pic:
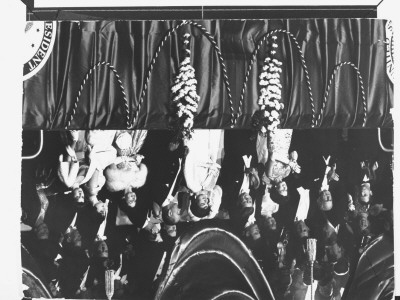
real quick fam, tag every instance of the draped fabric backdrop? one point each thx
(131, 47)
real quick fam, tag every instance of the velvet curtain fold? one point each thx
(132, 48)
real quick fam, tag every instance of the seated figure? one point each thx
(128, 170)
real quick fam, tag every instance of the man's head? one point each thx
(170, 230)
(101, 249)
(42, 231)
(365, 193)
(171, 213)
(325, 200)
(130, 198)
(152, 232)
(252, 232)
(269, 223)
(245, 200)
(78, 195)
(334, 252)
(302, 229)
(73, 238)
(101, 209)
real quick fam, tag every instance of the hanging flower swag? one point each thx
(267, 119)
(184, 97)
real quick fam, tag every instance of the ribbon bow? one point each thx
(246, 178)
(325, 185)
(247, 161)
(365, 179)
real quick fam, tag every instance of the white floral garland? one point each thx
(270, 92)
(184, 91)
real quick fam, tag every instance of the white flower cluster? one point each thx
(184, 91)
(270, 93)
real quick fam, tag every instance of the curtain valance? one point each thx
(118, 74)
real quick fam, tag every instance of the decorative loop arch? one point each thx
(361, 84)
(158, 50)
(88, 74)
(303, 64)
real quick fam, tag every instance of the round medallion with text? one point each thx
(389, 51)
(39, 42)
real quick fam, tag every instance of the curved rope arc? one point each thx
(198, 253)
(303, 64)
(361, 83)
(88, 74)
(210, 38)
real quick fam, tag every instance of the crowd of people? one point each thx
(117, 200)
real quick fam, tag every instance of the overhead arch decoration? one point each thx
(216, 49)
(143, 56)
(293, 39)
(328, 88)
(85, 80)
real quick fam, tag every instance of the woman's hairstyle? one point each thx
(198, 211)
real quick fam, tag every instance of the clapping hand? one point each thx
(332, 175)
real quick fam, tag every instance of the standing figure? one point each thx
(201, 170)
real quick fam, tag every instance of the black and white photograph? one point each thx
(296, 214)
(208, 159)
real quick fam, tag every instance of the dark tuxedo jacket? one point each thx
(236, 144)
(60, 213)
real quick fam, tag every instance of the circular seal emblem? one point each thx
(389, 50)
(39, 41)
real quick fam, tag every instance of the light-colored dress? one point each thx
(202, 167)
(203, 162)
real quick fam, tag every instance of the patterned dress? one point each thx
(274, 151)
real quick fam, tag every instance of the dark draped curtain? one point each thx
(131, 47)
